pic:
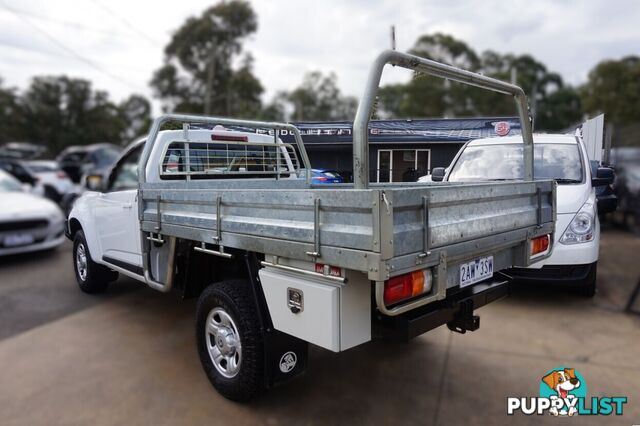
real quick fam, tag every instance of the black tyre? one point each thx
(91, 277)
(588, 286)
(229, 340)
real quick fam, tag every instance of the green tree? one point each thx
(318, 98)
(135, 117)
(62, 111)
(198, 74)
(613, 88)
(426, 96)
(10, 111)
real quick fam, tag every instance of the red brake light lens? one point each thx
(406, 286)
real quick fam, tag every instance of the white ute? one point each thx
(224, 211)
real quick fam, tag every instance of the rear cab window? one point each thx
(219, 160)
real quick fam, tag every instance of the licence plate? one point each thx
(13, 240)
(476, 270)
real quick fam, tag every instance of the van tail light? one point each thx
(406, 286)
(540, 244)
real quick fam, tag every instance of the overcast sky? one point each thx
(118, 43)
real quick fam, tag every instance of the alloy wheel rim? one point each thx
(81, 261)
(223, 342)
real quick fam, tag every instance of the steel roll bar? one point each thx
(427, 66)
(146, 153)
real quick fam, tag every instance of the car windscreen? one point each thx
(505, 162)
(9, 185)
(106, 156)
(74, 157)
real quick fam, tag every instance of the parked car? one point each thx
(322, 176)
(27, 222)
(22, 150)
(626, 162)
(574, 256)
(55, 181)
(77, 160)
(20, 171)
(628, 191)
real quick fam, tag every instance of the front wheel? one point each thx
(229, 340)
(91, 277)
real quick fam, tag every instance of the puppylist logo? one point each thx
(563, 392)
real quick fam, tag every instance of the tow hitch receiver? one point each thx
(456, 311)
(464, 320)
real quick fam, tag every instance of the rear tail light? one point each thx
(320, 178)
(540, 244)
(406, 286)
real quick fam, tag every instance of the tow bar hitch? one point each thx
(464, 319)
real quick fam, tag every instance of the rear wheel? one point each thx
(91, 277)
(230, 343)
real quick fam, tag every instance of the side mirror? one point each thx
(437, 174)
(604, 176)
(94, 183)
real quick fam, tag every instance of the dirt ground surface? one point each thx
(129, 357)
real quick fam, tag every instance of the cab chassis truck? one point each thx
(277, 262)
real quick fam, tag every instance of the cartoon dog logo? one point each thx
(562, 382)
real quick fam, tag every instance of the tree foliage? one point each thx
(10, 113)
(200, 59)
(59, 111)
(613, 87)
(426, 96)
(317, 98)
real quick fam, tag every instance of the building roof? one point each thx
(446, 130)
(537, 138)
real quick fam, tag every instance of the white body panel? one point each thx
(20, 206)
(117, 226)
(61, 185)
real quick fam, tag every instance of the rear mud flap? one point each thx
(285, 357)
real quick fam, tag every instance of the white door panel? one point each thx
(116, 221)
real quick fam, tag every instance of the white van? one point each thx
(574, 257)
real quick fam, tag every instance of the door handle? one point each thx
(127, 206)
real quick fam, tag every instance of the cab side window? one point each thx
(125, 175)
